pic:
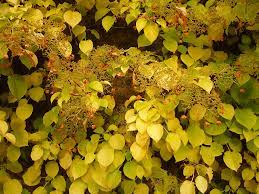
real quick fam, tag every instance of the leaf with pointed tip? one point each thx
(107, 22)
(86, 46)
(72, 18)
(155, 131)
(151, 31)
(233, 160)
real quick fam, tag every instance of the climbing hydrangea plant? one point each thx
(174, 112)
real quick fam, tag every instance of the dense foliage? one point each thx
(176, 113)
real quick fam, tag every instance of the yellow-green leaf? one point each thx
(105, 156)
(174, 140)
(187, 187)
(96, 85)
(140, 24)
(12, 186)
(52, 168)
(24, 111)
(232, 159)
(86, 46)
(13, 153)
(36, 153)
(170, 44)
(201, 184)
(3, 127)
(137, 151)
(117, 141)
(205, 83)
(17, 85)
(72, 18)
(226, 111)
(107, 22)
(187, 60)
(36, 93)
(197, 112)
(195, 52)
(151, 31)
(155, 131)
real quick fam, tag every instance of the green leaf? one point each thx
(17, 86)
(29, 59)
(143, 41)
(187, 60)
(174, 140)
(24, 111)
(86, 46)
(245, 117)
(196, 135)
(36, 153)
(107, 22)
(12, 186)
(105, 156)
(201, 184)
(233, 160)
(59, 183)
(227, 111)
(3, 127)
(205, 83)
(187, 187)
(140, 24)
(117, 141)
(77, 187)
(197, 112)
(52, 168)
(170, 44)
(13, 153)
(151, 31)
(96, 85)
(155, 131)
(72, 18)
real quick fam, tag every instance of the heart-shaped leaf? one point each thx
(72, 18)
(195, 52)
(107, 22)
(86, 46)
